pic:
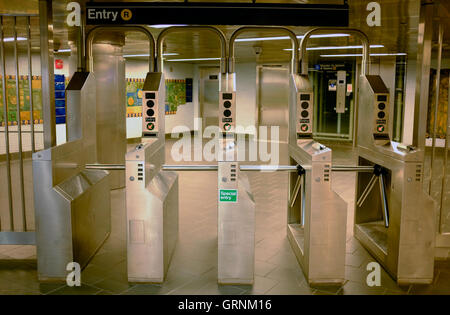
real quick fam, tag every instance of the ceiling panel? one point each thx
(398, 32)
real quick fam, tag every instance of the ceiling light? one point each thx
(11, 39)
(287, 37)
(337, 47)
(62, 51)
(147, 55)
(166, 25)
(360, 55)
(193, 59)
(327, 35)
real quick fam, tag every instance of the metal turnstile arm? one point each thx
(367, 191)
(384, 203)
(298, 184)
(378, 174)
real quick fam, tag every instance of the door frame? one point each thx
(201, 71)
(259, 68)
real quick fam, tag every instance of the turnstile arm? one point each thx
(378, 174)
(301, 172)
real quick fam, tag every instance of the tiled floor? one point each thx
(194, 266)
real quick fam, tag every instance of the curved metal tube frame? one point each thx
(91, 35)
(167, 31)
(291, 34)
(362, 36)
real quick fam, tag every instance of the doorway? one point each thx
(273, 98)
(331, 120)
(209, 96)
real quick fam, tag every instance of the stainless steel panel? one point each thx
(17, 238)
(152, 213)
(273, 98)
(81, 114)
(90, 216)
(109, 71)
(317, 220)
(47, 72)
(236, 227)
(71, 210)
(408, 244)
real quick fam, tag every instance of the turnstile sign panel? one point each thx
(379, 95)
(341, 90)
(304, 115)
(150, 109)
(228, 195)
(227, 112)
(381, 116)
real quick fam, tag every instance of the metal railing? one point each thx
(245, 168)
(15, 207)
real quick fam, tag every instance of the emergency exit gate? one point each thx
(16, 218)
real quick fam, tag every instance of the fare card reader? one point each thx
(153, 104)
(304, 105)
(227, 112)
(380, 105)
(151, 194)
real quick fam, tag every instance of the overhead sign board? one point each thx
(132, 13)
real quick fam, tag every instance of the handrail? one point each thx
(247, 168)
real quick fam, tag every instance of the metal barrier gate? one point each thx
(438, 176)
(16, 216)
(394, 220)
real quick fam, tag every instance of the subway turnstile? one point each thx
(317, 216)
(152, 214)
(236, 207)
(151, 194)
(394, 218)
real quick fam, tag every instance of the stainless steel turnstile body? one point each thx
(236, 224)
(151, 194)
(404, 242)
(317, 216)
(152, 213)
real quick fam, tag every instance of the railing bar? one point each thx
(19, 128)
(5, 115)
(436, 104)
(268, 167)
(23, 131)
(30, 85)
